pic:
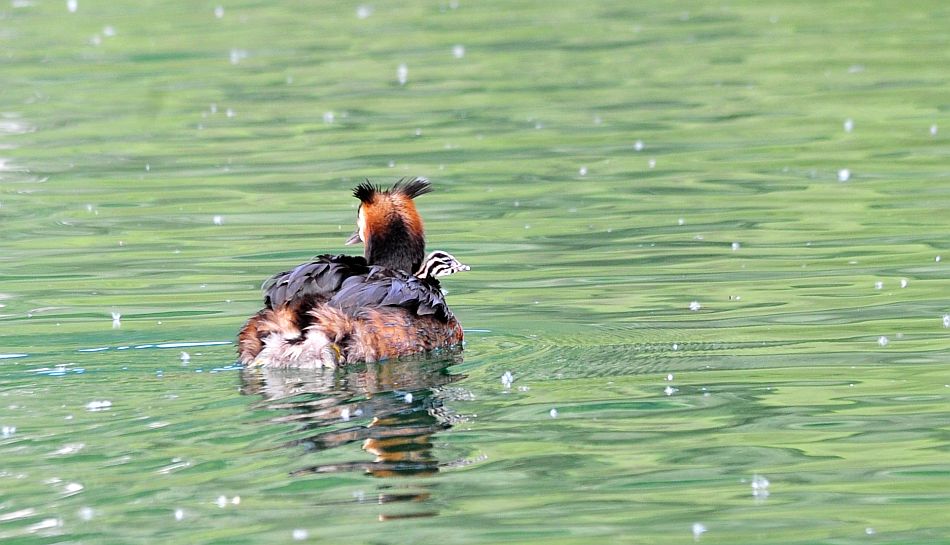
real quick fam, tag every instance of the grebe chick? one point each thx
(343, 309)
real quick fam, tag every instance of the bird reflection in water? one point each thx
(393, 408)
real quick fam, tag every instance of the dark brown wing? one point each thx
(319, 279)
(388, 288)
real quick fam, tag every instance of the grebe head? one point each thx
(389, 225)
(440, 263)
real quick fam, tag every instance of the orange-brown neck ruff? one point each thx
(393, 231)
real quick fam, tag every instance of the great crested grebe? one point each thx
(343, 309)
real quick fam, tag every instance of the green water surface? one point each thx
(709, 242)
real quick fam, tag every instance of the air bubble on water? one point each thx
(651, 163)
(72, 488)
(933, 130)
(760, 486)
(638, 145)
(669, 377)
(408, 397)
(217, 220)
(937, 259)
(236, 500)
(237, 55)
(402, 74)
(392, 164)
(213, 108)
(364, 11)
(507, 379)
(553, 413)
(179, 514)
(72, 5)
(598, 120)
(698, 530)
(669, 390)
(946, 320)
(185, 357)
(879, 285)
(844, 175)
(882, 340)
(86, 513)
(221, 502)
(328, 117)
(230, 112)
(582, 171)
(7, 431)
(848, 125)
(870, 531)
(736, 246)
(418, 132)
(98, 405)
(458, 51)
(108, 31)
(219, 12)
(345, 414)
(903, 282)
(299, 534)
(116, 317)
(695, 305)
(681, 221)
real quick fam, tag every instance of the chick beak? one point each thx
(354, 238)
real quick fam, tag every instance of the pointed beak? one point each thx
(354, 238)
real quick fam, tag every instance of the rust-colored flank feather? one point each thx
(341, 309)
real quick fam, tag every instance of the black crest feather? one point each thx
(412, 187)
(366, 191)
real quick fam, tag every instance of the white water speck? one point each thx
(86, 513)
(638, 145)
(221, 502)
(392, 164)
(651, 163)
(219, 12)
(903, 282)
(870, 531)
(675, 347)
(933, 130)
(108, 31)
(695, 305)
(458, 51)
(882, 340)
(185, 357)
(760, 486)
(669, 377)
(553, 413)
(299, 534)
(73, 488)
(230, 112)
(698, 530)
(98, 405)
(364, 11)
(213, 108)
(582, 171)
(681, 221)
(736, 246)
(402, 74)
(328, 117)
(69, 448)
(598, 120)
(218, 220)
(844, 175)
(848, 125)
(7, 431)
(237, 55)
(345, 414)
(179, 514)
(669, 390)
(236, 500)
(72, 5)
(507, 379)
(44, 524)
(408, 397)
(937, 259)
(879, 285)
(946, 320)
